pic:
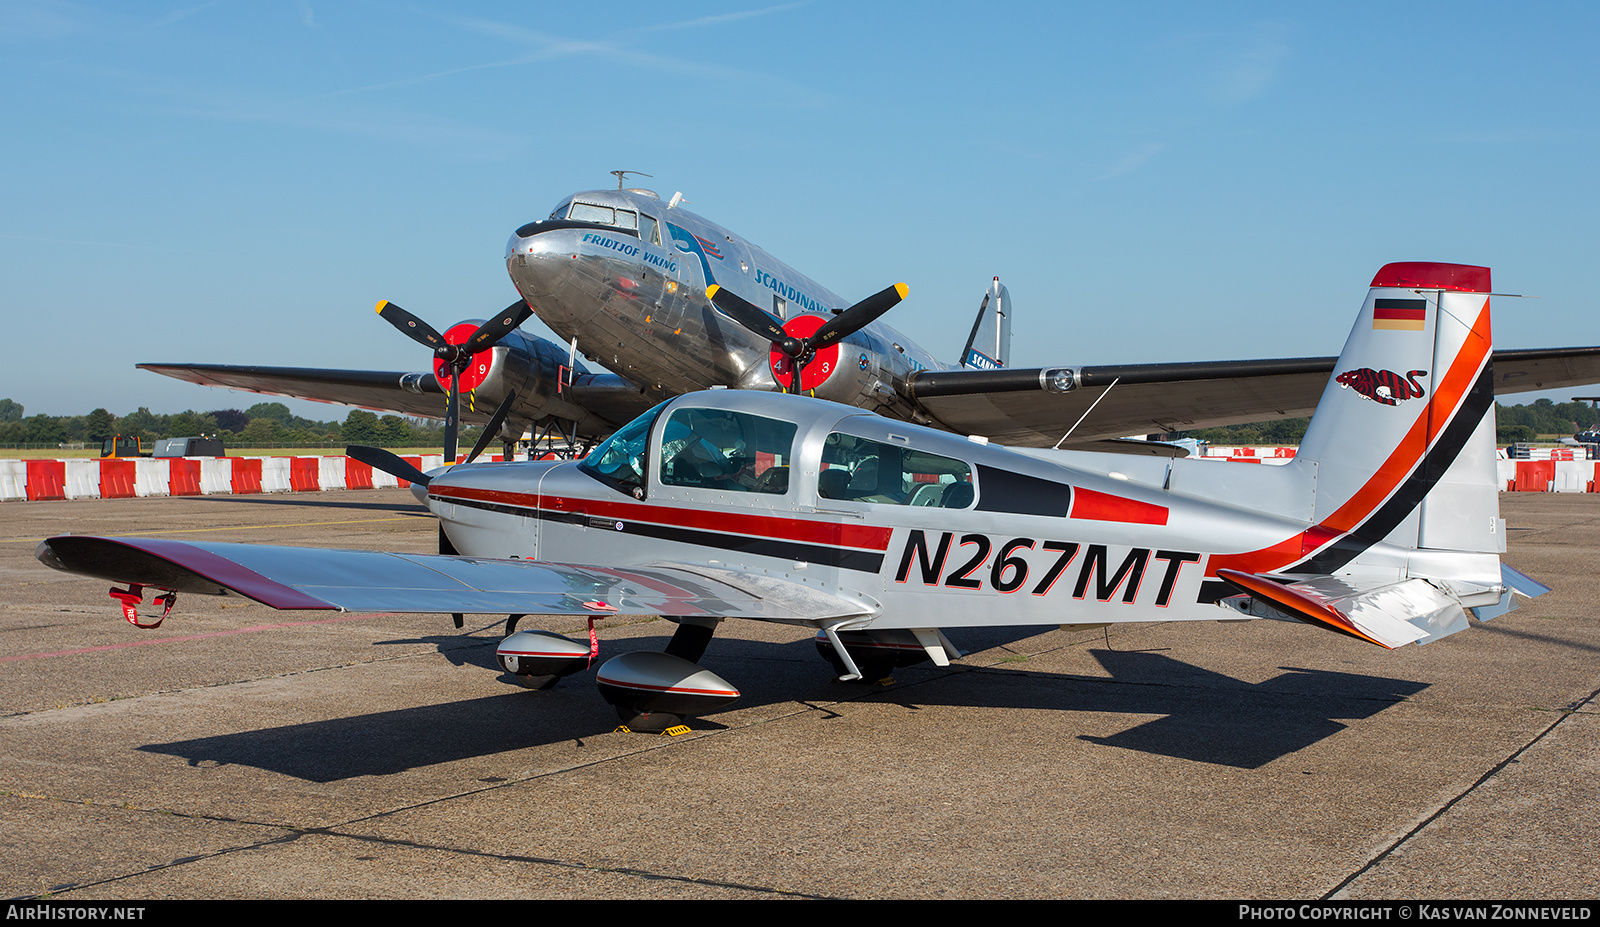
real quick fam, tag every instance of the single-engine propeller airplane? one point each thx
(671, 303)
(880, 534)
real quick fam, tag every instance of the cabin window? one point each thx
(863, 470)
(648, 229)
(619, 461)
(727, 451)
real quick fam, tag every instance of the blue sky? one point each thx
(239, 182)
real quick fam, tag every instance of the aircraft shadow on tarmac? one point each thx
(1204, 716)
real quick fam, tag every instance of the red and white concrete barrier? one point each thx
(1248, 454)
(88, 478)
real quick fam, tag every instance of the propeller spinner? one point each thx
(457, 357)
(796, 346)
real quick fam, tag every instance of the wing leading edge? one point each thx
(362, 581)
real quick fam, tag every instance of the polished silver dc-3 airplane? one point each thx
(880, 534)
(670, 303)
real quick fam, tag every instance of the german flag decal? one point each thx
(1407, 315)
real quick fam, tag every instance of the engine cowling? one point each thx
(531, 367)
(859, 370)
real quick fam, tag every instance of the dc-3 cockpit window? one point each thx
(726, 451)
(862, 470)
(619, 461)
(605, 215)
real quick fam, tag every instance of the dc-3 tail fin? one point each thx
(1405, 527)
(989, 345)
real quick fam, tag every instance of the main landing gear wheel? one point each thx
(655, 692)
(538, 659)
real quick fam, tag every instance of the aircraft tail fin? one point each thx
(989, 345)
(1403, 437)
(1399, 458)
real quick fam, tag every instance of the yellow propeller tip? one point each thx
(711, 291)
(381, 304)
(902, 289)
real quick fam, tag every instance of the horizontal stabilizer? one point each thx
(369, 581)
(1389, 614)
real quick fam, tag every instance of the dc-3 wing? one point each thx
(1034, 407)
(369, 581)
(599, 403)
(1023, 407)
(395, 391)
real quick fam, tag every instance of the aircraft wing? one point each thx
(371, 581)
(1018, 407)
(603, 401)
(398, 391)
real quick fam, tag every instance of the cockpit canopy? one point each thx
(732, 450)
(590, 207)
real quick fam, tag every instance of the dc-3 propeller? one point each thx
(458, 357)
(800, 350)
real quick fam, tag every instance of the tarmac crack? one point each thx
(1575, 708)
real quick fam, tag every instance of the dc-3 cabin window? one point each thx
(726, 451)
(648, 230)
(863, 470)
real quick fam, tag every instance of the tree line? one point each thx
(265, 424)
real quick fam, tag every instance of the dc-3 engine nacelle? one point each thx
(531, 367)
(861, 370)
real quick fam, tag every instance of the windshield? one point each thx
(619, 461)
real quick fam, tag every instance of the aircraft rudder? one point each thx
(989, 345)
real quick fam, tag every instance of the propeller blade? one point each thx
(452, 417)
(749, 315)
(858, 316)
(410, 326)
(496, 328)
(389, 462)
(493, 428)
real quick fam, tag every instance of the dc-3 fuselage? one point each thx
(655, 325)
(879, 533)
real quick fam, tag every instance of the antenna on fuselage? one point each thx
(622, 175)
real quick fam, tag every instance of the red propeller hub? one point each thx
(822, 365)
(476, 372)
